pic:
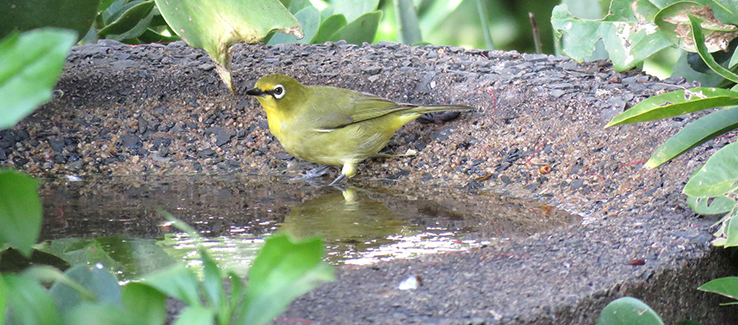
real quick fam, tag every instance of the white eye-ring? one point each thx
(278, 91)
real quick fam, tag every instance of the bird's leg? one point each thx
(336, 182)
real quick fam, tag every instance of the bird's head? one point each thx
(278, 92)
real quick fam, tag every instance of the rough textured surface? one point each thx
(160, 109)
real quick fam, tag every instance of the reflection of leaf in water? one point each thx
(129, 258)
(348, 216)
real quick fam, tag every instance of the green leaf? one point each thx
(50, 274)
(281, 272)
(437, 13)
(676, 103)
(725, 10)
(483, 14)
(731, 232)
(131, 23)
(712, 206)
(294, 6)
(3, 299)
(309, 18)
(353, 9)
(217, 24)
(24, 15)
(177, 282)
(628, 311)
(683, 68)
(727, 286)
(699, 39)
(99, 282)
(408, 29)
(32, 62)
(360, 30)
(145, 304)
(213, 280)
(629, 36)
(694, 134)
(329, 27)
(237, 293)
(150, 36)
(716, 177)
(195, 316)
(30, 303)
(20, 210)
(88, 313)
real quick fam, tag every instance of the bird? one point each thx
(333, 126)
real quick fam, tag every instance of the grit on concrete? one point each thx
(161, 110)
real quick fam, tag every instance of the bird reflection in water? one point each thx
(349, 221)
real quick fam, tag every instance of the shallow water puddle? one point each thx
(113, 220)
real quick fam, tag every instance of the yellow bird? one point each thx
(333, 126)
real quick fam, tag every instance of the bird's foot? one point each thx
(312, 174)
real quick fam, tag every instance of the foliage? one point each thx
(216, 25)
(283, 270)
(77, 15)
(713, 187)
(31, 63)
(636, 30)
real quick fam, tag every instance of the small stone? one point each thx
(131, 141)
(372, 70)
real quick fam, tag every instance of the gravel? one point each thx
(162, 110)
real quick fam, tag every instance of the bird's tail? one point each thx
(440, 108)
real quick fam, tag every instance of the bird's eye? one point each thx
(278, 91)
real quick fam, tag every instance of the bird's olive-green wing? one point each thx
(342, 107)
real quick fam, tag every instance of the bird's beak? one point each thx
(256, 92)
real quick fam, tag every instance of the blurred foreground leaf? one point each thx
(215, 25)
(31, 63)
(281, 272)
(628, 311)
(29, 303)
(20, 210)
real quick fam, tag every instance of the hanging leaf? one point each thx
(215, 25)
